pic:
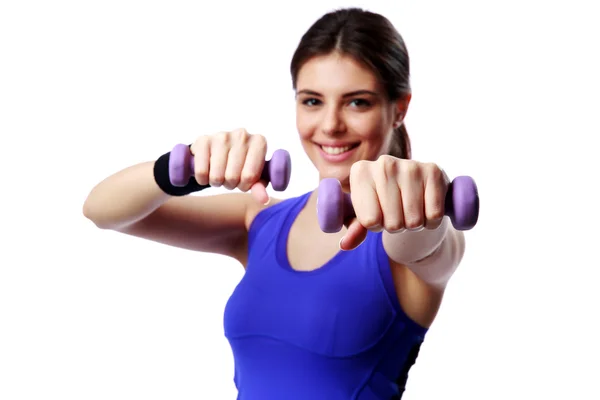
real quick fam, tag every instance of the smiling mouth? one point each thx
(338, 149)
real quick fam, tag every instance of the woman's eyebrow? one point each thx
(349, 94)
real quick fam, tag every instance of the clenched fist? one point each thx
(233, 160)
(394, 194)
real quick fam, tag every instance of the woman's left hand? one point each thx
(394, 195)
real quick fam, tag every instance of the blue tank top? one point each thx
(334, 333)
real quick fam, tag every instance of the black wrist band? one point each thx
(161, 176)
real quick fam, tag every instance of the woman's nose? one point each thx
(332, 122)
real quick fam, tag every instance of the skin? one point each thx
(327, 111)
(422, 260)
(340, 101)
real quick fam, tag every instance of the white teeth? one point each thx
(335, 150)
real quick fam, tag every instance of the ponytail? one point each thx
(400, 144)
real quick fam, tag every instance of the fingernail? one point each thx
(340, 244)
(268, 201)
(362, 241)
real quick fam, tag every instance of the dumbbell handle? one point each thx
(276, 171)
(334, 206)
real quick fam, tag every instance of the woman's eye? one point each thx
(360, 103)
(311, 102)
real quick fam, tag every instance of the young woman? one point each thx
(317, 315)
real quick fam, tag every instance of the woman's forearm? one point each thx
(124, 197)
(433, 255)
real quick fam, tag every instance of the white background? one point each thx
(506, 92)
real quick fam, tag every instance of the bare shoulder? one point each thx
(254, 208)
(419, 298)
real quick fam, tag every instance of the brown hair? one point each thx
(371, 39)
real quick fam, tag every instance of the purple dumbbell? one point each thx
(334, 206)
(277, 170)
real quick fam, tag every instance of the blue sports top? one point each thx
(334, 333)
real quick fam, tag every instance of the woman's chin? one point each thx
(340, 173)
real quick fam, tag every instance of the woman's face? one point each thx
(342, 114)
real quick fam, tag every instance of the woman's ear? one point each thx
(401, 109)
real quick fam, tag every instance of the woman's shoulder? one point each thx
(255, 208)
(275, 203)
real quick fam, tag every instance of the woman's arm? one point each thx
(433, 255)
(131, 202)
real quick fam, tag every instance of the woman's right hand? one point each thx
(233, 160)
